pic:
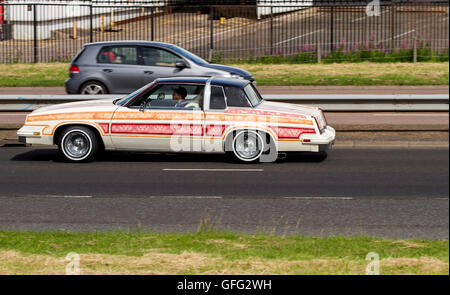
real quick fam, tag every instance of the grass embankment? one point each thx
(215, 253)
(54, 74)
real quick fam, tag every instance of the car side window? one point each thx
(217, 98)
(118, 55)
(173, 96)
(158, 57)
(236, 97)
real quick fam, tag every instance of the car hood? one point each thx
(232, 70)
(82, 106)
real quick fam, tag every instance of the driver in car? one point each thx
(179, 94)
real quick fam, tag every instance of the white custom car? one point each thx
(187, 114)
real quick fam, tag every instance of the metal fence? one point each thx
(45, 31)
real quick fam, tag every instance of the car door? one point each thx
(158, 63)
(119, 66)
(154, 122)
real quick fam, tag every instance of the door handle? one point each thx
(107, 70)
(148, 72)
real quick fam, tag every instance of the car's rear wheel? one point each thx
(78, 144)
(247, 146)
(93, 88)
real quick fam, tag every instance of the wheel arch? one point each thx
(59, 130)
(228, 137)
(97, 80)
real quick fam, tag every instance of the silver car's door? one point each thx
(119, 66)
(158, 63)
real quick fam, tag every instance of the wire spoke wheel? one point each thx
(76, 144)
(248, 146)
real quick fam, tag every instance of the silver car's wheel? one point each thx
(248, 146)
(93, 88)
(78, 144)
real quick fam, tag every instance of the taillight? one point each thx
(74, 69)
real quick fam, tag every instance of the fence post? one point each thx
(91, 27)
(319, 54)
(393, 11)
(271, 30)
(332, 27)
(152, 34)
(211, 41)
(74, 29)
(415, 49)
(35, 45)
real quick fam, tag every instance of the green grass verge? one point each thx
(54, 74)
(214, 252)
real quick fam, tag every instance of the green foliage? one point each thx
(368, 51)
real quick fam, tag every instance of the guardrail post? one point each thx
(35, 45)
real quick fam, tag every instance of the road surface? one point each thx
(388, 193)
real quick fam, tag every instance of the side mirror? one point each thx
(143, 106)
(181, 64)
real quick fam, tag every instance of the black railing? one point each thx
(303, 31)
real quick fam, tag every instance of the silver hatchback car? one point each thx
(124, 66)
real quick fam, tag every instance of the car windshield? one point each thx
(252, 95)
(123, 101)
(189, 55)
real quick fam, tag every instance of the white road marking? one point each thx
(213, 170)
(298, 37)
(194, 197)
(57, 196)
(414, 115)
(320, 198)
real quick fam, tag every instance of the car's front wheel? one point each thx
(78, 144)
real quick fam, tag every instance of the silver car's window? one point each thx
(118, 55)
(189, 55)
(159, 57)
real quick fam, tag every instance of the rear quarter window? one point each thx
(118, 55)
(217, 100)
(77, 57)
(236, 97)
